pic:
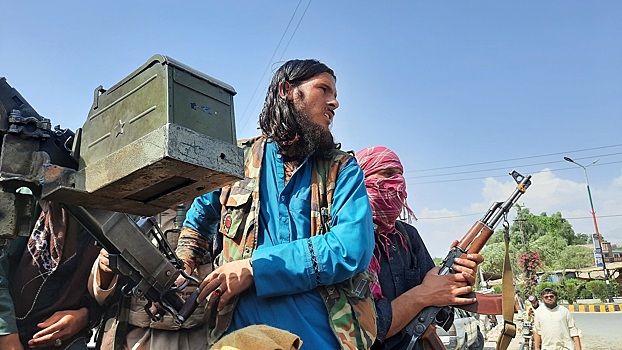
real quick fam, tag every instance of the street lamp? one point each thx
(598, 237)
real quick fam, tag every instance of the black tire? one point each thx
(479, 342)
(465, 344)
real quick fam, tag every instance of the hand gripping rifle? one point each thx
(423, 325)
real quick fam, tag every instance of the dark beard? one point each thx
(314, 138)
(551, 305)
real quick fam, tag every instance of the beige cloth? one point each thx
(157, 339)
(259, 337)
(556, 327)
(150, 335)
(137, 315)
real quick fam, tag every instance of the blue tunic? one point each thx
(284, 295)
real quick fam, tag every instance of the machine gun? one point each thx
(163, 135)
(472, 242)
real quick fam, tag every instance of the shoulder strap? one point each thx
(323, 182)
(509, 328)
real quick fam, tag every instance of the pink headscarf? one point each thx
(387, 197)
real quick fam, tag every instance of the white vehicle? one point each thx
(464, 332)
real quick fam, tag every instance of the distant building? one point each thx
(610, 255)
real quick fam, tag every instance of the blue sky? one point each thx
(464, 92)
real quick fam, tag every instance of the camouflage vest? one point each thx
(351, 310)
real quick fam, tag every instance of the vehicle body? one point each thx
(464, 332)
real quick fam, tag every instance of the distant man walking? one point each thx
(554, 326)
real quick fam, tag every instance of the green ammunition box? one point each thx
(160, 91)
(163, 135)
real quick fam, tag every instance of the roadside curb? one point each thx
(594, 308)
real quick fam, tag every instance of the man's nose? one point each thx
(334, 104)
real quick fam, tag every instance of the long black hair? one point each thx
(277, 119)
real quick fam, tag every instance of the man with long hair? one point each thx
(296, 232)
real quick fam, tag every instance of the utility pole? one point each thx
(598, 237)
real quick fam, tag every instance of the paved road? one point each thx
(600, 324)
(601, 331)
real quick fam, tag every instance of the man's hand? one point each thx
(10, 342)
(105, 275)
(443, 290)
(468, 266)
(435, 290)
(226, 282)
(61, 325)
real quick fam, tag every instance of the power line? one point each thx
(295, 30)
(512, 159)
(503, 168)
(481, 213)
(591, 218)
(270, 62)
(500, 176)
(448, 217)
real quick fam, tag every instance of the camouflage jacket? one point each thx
(351, 310)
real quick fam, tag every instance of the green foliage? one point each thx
(498, 289)
(575, 257)
(543, 285)
(598, 289)
(551, 248)
(493, 257)
(615, 287)
(583, 238)
(552, 237)
(584, 293)
(571, 290)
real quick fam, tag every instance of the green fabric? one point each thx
(351, 309)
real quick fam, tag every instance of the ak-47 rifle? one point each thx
(422, 326)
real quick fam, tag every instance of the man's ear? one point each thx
(285, 90)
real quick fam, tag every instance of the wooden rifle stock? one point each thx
(486, 304)
(472, 243)
(430, 339)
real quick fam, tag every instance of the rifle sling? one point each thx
(509, 328)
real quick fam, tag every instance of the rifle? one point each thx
(472, 242)
(135, 154)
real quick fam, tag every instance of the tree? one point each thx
(551, 249)
(598, 289)
(571, 289)
(494, 255)
(576, 257)
(552, 237)
(524, 229)
(583, 238)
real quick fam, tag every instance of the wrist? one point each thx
(417, 298)
(10, 341)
